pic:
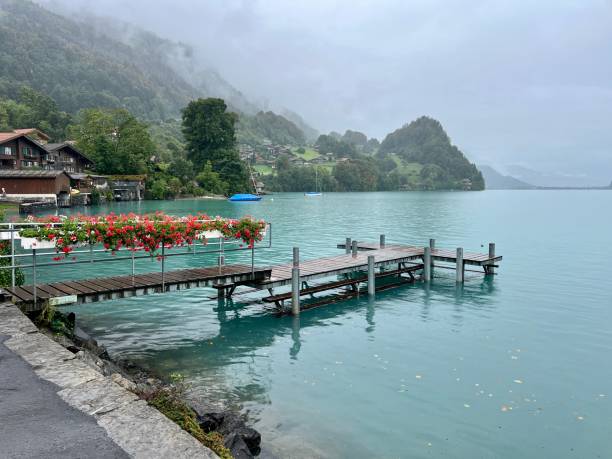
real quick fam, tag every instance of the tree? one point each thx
(115, 141)
(210, 181)
(210, 137)
(208, 129)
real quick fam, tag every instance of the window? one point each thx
(8, 151)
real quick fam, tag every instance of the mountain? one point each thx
(310, 133)
(268, 126)
(551, 179)
(102, 63)
(496, 181)
(426, 158)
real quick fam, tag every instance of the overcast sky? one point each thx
(513, 82)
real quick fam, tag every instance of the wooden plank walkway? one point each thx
(337, 264)
(445, 255)
(107, 288)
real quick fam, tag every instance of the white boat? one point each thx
(312, 194)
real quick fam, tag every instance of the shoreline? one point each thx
(219, 432)
(227, 426)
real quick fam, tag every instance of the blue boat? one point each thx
(245, 197)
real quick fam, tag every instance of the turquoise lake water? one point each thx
(518, 365)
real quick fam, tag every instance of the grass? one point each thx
(4, 206)
(308, 155)
(168, 401)
(410, 168)
(263, 169)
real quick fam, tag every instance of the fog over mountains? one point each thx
(525, 83)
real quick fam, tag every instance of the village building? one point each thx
(20, 152)
(127, 187)
(65, 157)
(27, 149)
(35, 185)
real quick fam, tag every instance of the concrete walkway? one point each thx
(53, 405)
(36, 422)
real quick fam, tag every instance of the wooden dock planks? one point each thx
(337, 264)
(97, 289)
(445, 255)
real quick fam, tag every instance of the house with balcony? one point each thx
(27, 149)
(65, 157)
(18, 151)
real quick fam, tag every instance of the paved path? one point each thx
(36, 423)
(54, 405)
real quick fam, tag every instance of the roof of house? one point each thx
(6, 136)
(57, 146)
(28, 131)
(11, 173)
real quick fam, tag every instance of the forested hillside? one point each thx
(79, 65)
(437, 164)
(254, 130)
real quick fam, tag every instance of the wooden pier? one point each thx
(375, 264)
(336, 265)
(109, 288)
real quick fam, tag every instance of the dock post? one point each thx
(371, 276)
(382, 241)
(432, 246)
(426, 264)
(347, 245)
(354, 249)
(460, 267)
(295, 283)
(491, 255)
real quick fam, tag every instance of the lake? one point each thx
(512, 366)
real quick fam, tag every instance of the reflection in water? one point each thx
(295, 337)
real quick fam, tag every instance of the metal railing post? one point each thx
(133, 265)
(163, 267)
(221, 258)
(12, 229)
(253, 262)
(34, 275)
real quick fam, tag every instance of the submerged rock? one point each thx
(228, 424)
(237, 446)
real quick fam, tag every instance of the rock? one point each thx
(252, 438)
(84, 340)
(123, 382)
(210, 422)
(237, 446)
(232, 423)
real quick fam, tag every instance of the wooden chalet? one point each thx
(27, 149)
(65, 157)
(20, 152)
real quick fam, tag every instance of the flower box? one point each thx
(216, 234)
(6, 235)
(33, 243)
